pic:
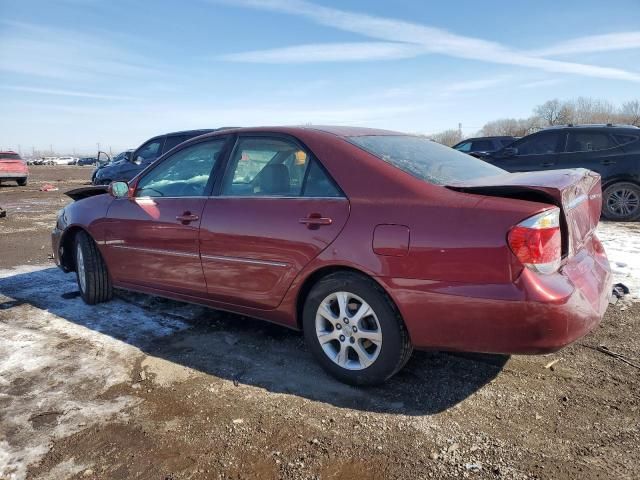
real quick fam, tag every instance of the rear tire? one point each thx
(354, 330)
(621, 202)
(22, 182)
(91, 271)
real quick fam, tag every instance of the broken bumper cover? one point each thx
(535, 314)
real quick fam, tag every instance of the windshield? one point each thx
(425, 159)
(10, 156)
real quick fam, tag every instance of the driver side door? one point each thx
(152, 235)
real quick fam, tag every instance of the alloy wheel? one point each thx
(623, 202)
(348, 331)
(82, 279)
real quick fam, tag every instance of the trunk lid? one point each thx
(11, 165)
(577, 192)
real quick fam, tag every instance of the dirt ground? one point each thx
(146, 388)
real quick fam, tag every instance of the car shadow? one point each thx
(248, 351)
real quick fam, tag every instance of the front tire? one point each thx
(621, 202)
(91, 271)
(354, 330)
(22, 182)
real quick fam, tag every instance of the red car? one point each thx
(372, 242)
(12, 167)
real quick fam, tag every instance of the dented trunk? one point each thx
(577, 192)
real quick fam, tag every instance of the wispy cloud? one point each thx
(64, 93)
(430, 39)
(329, 52)
(594, 43)
(36, 50)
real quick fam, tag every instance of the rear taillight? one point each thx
(537, 241)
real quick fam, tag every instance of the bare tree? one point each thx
(554, 112)
(515, 127)
(448, 137)
(630, 113)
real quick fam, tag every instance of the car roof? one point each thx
(4, 152)
(337, 130)
(593, 125)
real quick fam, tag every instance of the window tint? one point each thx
(588, 142)
(9, 156)
(318, 183)
(425, 159)
(505, 142)
(624, 139)
(263, 166)
(481, 145)
(539, 144)
(171, 142)
(184, 174)
(464, 147)
(149, 151)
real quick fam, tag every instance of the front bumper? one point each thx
(535, 314)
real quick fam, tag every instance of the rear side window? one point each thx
(624, 139)
(264, 166)
(589, 142)
(425, 159)
(481, 145)
(318, 183)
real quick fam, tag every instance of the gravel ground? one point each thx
(147, 388)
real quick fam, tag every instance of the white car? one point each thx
(65, 161)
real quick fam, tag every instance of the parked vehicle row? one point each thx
(371, 242)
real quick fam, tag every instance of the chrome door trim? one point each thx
(155, 250)
(244, 260)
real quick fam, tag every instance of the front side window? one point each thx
(263, 166)
(186, 173)
(589, 142)
(149, 151)
(425, 159)
(539, 144)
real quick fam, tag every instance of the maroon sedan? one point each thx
(371, 242)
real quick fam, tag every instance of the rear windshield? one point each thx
(9, 156)
(425, 159)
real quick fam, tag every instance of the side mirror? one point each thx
(119, 189)
(510, 152)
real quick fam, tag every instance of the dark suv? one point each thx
(143, 156)
(483, 144)
(611, 150)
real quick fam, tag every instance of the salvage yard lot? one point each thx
(146, 388)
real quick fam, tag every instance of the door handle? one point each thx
(315, 220)
(548, 164)
(187, 217)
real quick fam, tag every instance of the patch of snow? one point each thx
(58, 356)
(622, 243)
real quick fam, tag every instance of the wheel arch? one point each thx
(66, 246)
(317, 275)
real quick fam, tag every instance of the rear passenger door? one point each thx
(275, 211)
(592, 149)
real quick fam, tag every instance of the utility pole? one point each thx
(460, 130)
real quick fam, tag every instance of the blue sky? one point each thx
(77, 72)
